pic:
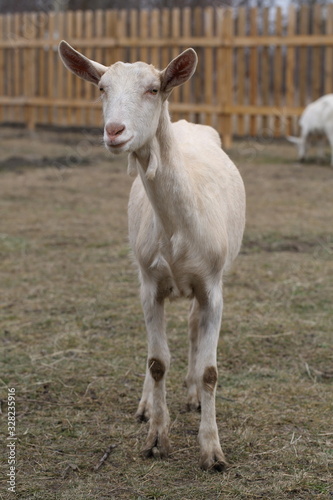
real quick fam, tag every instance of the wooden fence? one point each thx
(257, 68)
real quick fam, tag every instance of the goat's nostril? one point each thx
(120, 131)
(113, 130)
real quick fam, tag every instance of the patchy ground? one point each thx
(72, 339)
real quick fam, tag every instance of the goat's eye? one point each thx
(101, 89)
(152, 91)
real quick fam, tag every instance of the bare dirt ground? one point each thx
(73, 344)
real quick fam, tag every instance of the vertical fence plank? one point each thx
(198, 80)
(98, 33)
(220, 69)
(110, 53)
(134, 54)
(144, 33)
(98, 56)
(317, 59)
(78, 83)
(88, 88)
(225, 81)
(69, 75)
(278, 76)
(175, 33)
(24, 63)
(240, 70)
(186, 24)
(60, 70)
(290, 68)
(16, 54)
(29, 77)
(118, 32)
(155, 33)
(8, 81)
(51, 84)
(33, 68)
(8, 64)
(229, 32)
(208, 64)
(42, 77)
(2, 66)
(328, 82)
(265, 71)
(121, 31)
(253, 70)
(303, 56)
(165, 34)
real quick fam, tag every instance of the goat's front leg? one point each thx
(210, 316)
(153, 401)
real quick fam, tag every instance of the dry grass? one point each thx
(73, 341)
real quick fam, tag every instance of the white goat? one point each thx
(316, 120)
(186, 222)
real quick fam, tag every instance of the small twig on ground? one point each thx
(68, 469)
(313, 373)
(308, 371)
(104, 457)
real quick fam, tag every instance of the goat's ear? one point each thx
(179, 70)
(80, 65)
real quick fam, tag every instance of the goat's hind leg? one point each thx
(153, 401)
(211, 454)
(191, 380)
(144, 410)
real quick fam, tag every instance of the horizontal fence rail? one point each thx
(257, 68)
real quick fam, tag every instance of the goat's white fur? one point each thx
(186, 222)
(316, 122)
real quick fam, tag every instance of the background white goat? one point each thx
(186, 222)
(316, 120)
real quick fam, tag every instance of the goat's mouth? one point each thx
(114, 146)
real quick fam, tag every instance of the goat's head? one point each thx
(132, 94)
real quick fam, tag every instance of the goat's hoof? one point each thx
(213, 462)
(193, 406)
(141, 417)
(193, 401)
(157, 448)
(143, 412)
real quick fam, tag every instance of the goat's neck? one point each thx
(164, 177)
